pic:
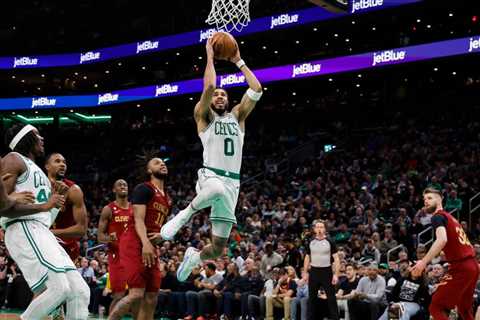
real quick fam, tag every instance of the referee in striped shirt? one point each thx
(321, 254)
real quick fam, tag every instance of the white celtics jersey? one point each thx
(222, 144)
(36, 181)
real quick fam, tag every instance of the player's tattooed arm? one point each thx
(202, 108)
(105, 217)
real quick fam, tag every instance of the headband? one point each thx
(19, 136)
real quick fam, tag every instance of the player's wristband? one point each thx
(240, 63)
(252, 94)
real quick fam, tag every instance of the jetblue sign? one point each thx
(43, 102)
(25, 62)
(368, 60)
(284, 20)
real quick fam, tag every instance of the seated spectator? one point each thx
(346, 291)
(257, 303)
(368, 299)
(407, 296)
(371, 252)
(251, 284)
(270, 260)
(166, 300)
(387, 243)
(197, 301)
(228, 291)
(282, 294)
(301, 298)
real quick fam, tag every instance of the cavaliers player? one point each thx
(71, 223)
(457, 287)
(113, 222)
(151, 206)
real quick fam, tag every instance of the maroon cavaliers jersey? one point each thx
(64, 220)
(158, 205)
(118, 223)
(458, 246)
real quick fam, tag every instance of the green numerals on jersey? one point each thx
(42, 196)
(229, 149)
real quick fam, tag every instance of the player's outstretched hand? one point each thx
(209, 48)
(154, 237)
(148, 255)
(418, 268)
(24, 197)
(59, 187)
(55, 201)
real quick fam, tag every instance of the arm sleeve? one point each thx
(307, 248)
(333, 246)
(142, 194)
(439, 221)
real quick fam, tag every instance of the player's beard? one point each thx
(59, 176)
(159, 175)
(431, 209)
(218, 111)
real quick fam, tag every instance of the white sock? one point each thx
(58, 290)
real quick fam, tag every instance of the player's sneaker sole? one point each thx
(187, 265)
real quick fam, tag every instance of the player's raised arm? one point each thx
(79, 229)
(105, 216)
(202, 108)
(253, 94)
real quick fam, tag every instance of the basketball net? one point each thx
(228, 15)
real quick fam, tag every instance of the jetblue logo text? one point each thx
(43, 102)
(231, 79)
(388, 56)
(165, 89)
(89, 56)
(207, 34)
(147, 45)
(283, 19)
(474, 44)
(25, 61)
(305, 68)
(107, 97)
(360, 5)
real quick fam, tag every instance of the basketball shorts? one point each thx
(137, 275)
(36, 251)
(223, 210)
(118, 281)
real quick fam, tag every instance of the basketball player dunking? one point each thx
(114, 220)
(45, 265)
(221, 132)
(71, 223)
(458, 285)
(151, 206)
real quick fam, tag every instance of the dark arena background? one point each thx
(365, 104)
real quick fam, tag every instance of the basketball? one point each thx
(224, 45)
